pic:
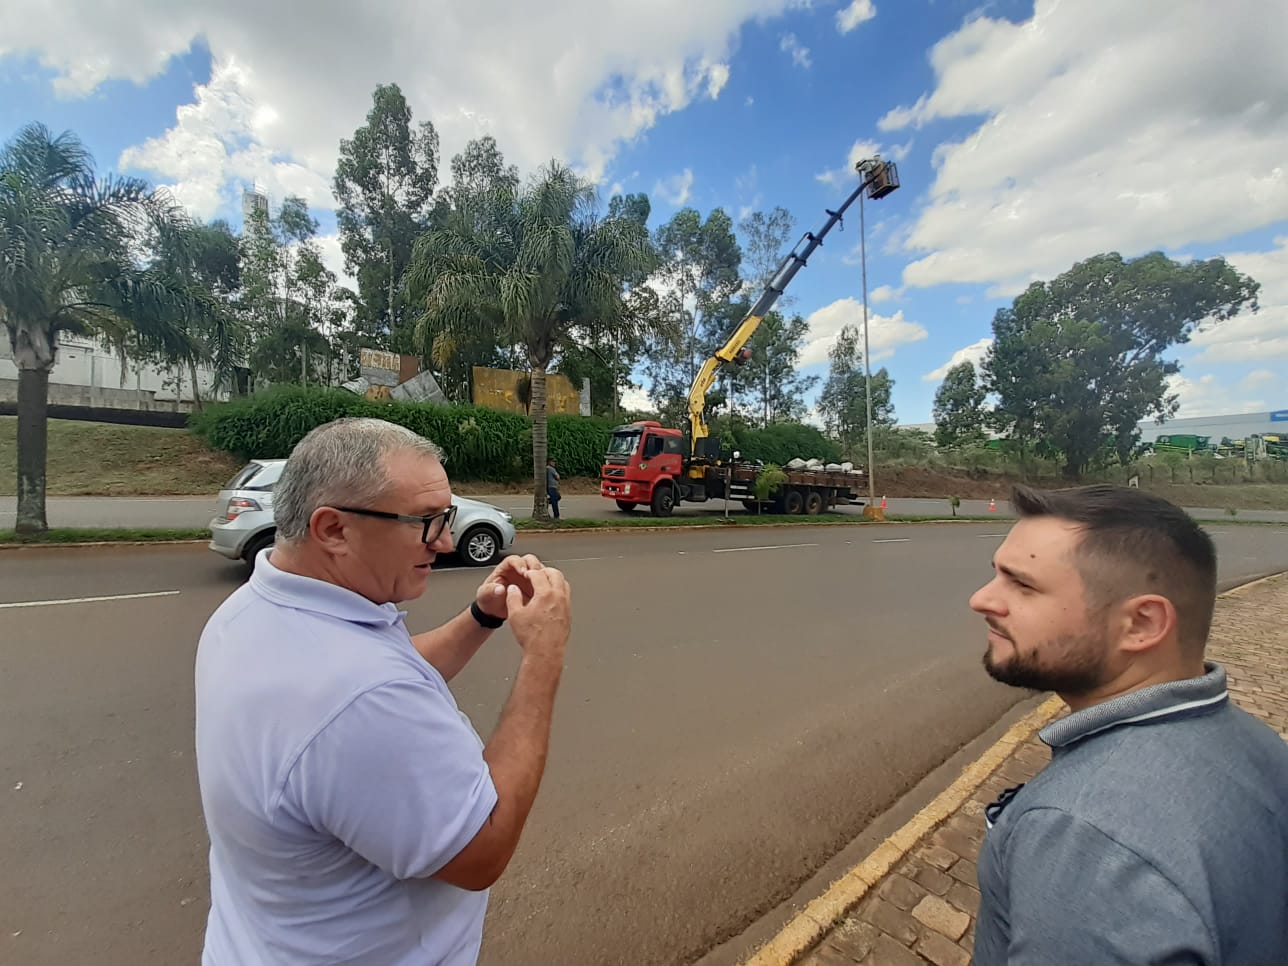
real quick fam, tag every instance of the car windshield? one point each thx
(623, 444)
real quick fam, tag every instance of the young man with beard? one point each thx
(1159, 831)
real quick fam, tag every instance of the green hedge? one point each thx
(480, 443)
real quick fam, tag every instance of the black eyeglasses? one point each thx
(433, 524)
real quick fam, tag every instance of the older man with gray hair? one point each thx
(354, 813)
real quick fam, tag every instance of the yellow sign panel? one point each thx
(501, 389)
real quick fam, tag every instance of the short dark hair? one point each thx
(1134, 543)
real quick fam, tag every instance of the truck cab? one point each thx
(642, 466)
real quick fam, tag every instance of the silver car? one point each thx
(243, 525)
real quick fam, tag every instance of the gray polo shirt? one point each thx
(337, 776)
(1157, 834)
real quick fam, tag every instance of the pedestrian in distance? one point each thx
(552, 487)
(1158, 832)
(354, 813)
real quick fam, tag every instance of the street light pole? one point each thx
(867, 355)
(880, 178)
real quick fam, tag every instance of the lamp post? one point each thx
(880, 178)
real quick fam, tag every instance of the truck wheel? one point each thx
(751, 506)
(813, 503)
(626, 506)
(663, 501)
(793, 502)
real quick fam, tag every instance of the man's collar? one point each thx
(319, 596)
(1199, 695)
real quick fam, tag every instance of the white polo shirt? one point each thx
(337, 776)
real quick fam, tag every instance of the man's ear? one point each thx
(1149, 620)
(328, 528)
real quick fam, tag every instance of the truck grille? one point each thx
(614, 471)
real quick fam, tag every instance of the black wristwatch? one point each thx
(484, 620)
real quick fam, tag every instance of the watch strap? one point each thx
(484, 620)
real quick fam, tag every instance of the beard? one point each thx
(1068, 664)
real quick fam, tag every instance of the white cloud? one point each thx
(1258, 378)
(333, 258)
(750, 101)
(882, 293)
(1207, 396)
(207, 154)
(676, 189)
(460, 65)
(856, 13)
(973, 353)
(1250, 337)
(717, 77)
(800, 54)
(1105, 127)
(885, 332)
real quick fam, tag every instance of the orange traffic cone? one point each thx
(992, 505)
(884, 505)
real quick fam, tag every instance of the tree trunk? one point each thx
(196, 389)
(33, 446)
(540, 443)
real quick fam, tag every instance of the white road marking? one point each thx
(576, 559)
(988, 536)
(90, 600)
(895, 540)
(777, 546)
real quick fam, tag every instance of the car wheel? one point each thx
(261, 542)
(480, 546)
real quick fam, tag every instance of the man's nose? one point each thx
(985, 600)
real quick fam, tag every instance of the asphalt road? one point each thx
(187, 512)
(737, 708)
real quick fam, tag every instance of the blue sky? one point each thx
(1028, 135)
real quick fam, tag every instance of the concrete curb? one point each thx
(818, 918)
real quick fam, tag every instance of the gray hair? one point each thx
(340, 463)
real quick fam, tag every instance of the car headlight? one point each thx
(507, 517)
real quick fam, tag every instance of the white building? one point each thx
(86, 373)
(1238, 426)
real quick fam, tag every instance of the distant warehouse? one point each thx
(1234, 427)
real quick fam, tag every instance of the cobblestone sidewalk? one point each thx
(924, 910)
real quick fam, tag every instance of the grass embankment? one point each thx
(104, 459)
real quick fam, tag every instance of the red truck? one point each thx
(650, 465)
(646, 466)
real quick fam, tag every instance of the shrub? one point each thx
(480, 443)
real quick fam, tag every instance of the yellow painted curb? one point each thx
(818, 918)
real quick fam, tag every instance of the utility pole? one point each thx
(880, 179)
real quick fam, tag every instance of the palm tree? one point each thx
(534, 267)
(72, 259)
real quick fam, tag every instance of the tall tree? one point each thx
(770, 376)
(384, 183)
(698, 276)
(478, 172)
(767, 237)
(534, 266)
(843, 401)
(204, 258)
(69, 262)
(287, 295)
(959, 407)
(1078, 361)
